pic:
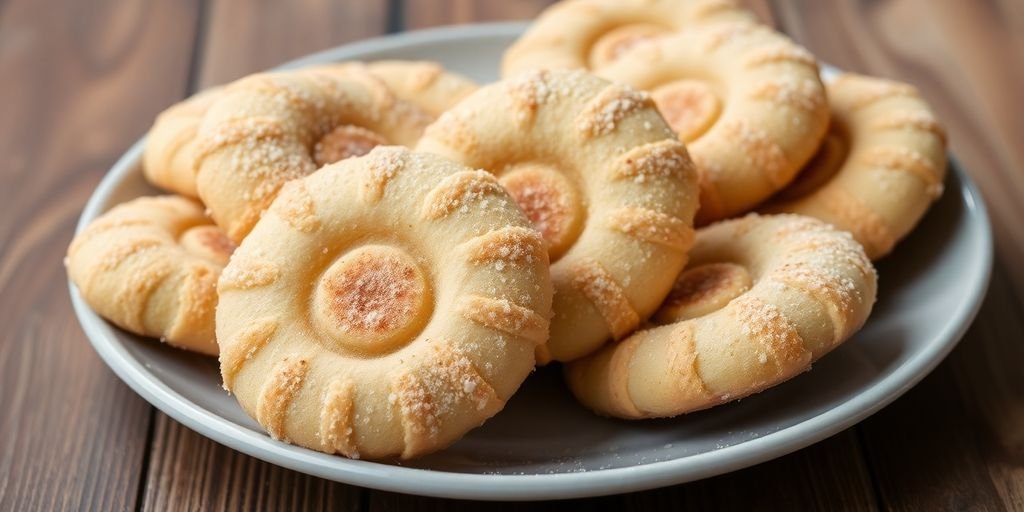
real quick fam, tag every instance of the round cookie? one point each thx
(747, 102)
(603, 179)
(150, 266)
(384, 305)
(592, 34)
(267, 129)
(880, 167)
(761, 299)
(168, 158)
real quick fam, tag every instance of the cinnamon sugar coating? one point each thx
(881, 168)
(150, 266)
(383, 306)
(762, 298)
(603, 179)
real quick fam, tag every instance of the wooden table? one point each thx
(81, 80)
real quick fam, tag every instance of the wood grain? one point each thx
(243, 37)
(78, 83)
(190, 472)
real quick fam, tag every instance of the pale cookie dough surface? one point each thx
(150, 266)
(881, 166)
(169, 157)
(384, 306)
(745, 99)
(601, 176)
(761, 299)
(267, 129)
(592, 34)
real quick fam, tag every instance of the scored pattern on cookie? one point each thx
(247, 271)
(601, 115)
(132, 297)
(781, 344)
(761, 151)
(867, 226)
(607, 295)
(663, 159)
(619, 366)
(910, 120)
(295, 206)
(417, 412)
(456, 191)
(508, 246)
(528, 92)
(282, 90)
(337, 426)
(109, 222)
(505, 316)
(906, 160)
(684, 368)
(235, 131)
(278, 392)
(780, 53)
(381, 166)
(454, 131)
(652, 226)
(243, 346)
(871, 92)
(807, 95)
(121, 251)
(428, 397)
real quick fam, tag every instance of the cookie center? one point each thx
(616, 42)
(822, 167)
(208, 242)
(373, 299)
(690, 107)
(550, 201)
(344, 142)
(702, 290)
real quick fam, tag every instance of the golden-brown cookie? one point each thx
(880, 168)
(745, 99)
(168, 158)
(604, 180)
(267, 129)
(151, 266)
(592, 34)
(384, 305)
(761, 299)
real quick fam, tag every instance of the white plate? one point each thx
(544, 445)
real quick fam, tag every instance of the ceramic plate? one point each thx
(544, 445)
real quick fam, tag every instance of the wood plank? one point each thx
(953, 442)
(830, 475)
(243, 37)
(79, 82)
(187, 471)
(190, 472)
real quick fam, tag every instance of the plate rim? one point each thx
(103, 337)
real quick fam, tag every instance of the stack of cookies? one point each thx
(662, 196)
